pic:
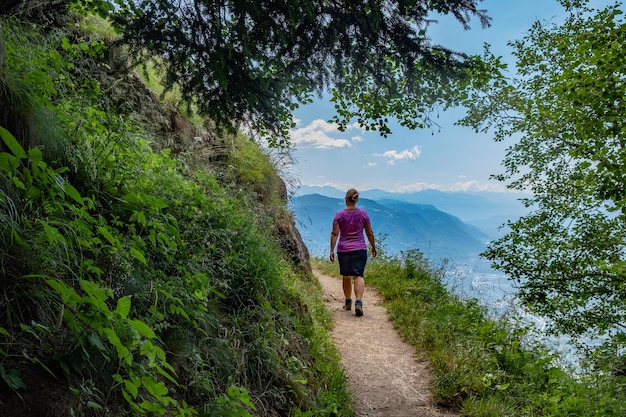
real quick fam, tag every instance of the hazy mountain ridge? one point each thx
(485, 210)
(480, 207)
(405, 225)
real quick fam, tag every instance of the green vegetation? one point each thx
(134, 279)
(482, 367)
(254, 62)
(566, 104)
(149, 265)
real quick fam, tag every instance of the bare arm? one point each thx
(334, 234)
(370, 236)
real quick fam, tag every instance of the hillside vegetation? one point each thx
(148, 265)
(484, 366)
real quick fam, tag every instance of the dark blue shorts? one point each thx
(352, 264)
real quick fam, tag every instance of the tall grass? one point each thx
(145, 282)
(482, 367)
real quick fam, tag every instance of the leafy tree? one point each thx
(567, 107)
(256, 61)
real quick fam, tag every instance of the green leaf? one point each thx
(130, 400)
(33, 193)
(68, 295)
(139, 217)
(142, 328)
(122, 351)
(133, 198)
(154, 387)
(123, 306)
(152, 408)
(137, 254)
(95, 341)
(96, 295)
(132, 387)
(159, 203)
(36, 156)
(52, 234)
(104, 231)
(4, 332)
(9, 163)
(65, 44)
(94, 405)
(240, 394)
(19, 184)
(12, 378)
(12, 143)
(166, 374)
(73, 193)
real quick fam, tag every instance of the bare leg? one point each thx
(347, 287)
(359, 288)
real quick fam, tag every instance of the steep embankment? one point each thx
(148, 264)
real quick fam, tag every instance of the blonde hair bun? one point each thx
(352, 195)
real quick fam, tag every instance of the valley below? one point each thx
(451, 229)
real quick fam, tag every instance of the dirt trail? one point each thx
(383, 373)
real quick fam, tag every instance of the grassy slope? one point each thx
(482, 367)
(150, 275)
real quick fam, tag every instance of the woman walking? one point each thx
(348, 226)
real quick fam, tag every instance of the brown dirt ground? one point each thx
(384, 375)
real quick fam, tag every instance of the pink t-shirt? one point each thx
(351, 227)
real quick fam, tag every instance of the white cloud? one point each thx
(371, 164)
(408, 154)
(318, 134)
(417, 186)
(355, 125)
(471, 185)
(474, 185)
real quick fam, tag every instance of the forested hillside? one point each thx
(148, 264)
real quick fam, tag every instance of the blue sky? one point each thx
(452, 158)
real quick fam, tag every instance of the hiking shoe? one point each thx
(358, 309)
(348, 304)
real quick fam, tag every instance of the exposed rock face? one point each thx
(179, 134)
(291, 239)
(293, 244)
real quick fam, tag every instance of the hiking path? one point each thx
(384, 375)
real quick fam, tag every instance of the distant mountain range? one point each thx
(454, 225)
(404, 225)
(485, 210)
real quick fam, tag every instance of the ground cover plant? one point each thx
(483, 366)
(145, 268)
(132, 282)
